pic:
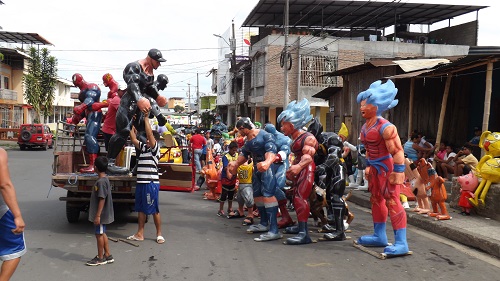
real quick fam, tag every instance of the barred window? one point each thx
(258, 69)
(313, 67)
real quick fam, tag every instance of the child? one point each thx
(228, 180)
(101, 212)
(245, 192)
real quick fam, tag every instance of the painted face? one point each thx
(243, 131)
(155, 64)
(287, 128)
(367, 110)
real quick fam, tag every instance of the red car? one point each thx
(35, 135)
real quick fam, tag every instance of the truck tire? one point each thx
(72, 213)
(25, 135)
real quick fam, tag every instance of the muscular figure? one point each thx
(261, 146)
(113, 101)
(385, 167)
(90, 108)
(301, 172)
(142, 90)
(279, 167)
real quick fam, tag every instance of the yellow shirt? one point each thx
(245, 173)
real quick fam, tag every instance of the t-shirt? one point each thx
(147, 166)
(102, 189)
(225, 161)
(197, 141)
(452, 154)
(475, 140)
(245, 173)
(470, 160)
(410, 152)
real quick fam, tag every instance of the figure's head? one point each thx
(78, 80)
(315, 128)
(161, 82)
(490, 142)
(297, 114)
(343, 132)
(244, 126)
(379, 97)
(468, 182)
(106, 79)
(156, 58)
(258, 125)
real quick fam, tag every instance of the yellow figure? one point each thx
(488, 167)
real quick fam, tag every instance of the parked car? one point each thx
(35, 135)
(169, 150)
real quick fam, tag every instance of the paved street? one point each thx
(201, 246)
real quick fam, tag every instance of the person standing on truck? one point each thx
(101, 212)
(12, 245)
(148, 181)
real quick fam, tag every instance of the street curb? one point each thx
(460, 235)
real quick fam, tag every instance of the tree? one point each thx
(179, 108)
(207, 119)
(40, 81)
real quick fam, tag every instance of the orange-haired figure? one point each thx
(212, 178)
(416, 182)
(435, 184)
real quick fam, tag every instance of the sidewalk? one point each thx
(474, 231)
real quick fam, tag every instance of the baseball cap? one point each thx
(156, 55)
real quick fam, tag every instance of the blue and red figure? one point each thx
(90, 108)
(385, 167)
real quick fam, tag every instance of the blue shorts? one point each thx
(100, 229)
(146, 198)
(12, 245)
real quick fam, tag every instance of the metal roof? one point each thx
(23, 38)
(351, 14)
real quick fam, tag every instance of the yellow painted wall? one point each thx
(272, 115)
(257, 113)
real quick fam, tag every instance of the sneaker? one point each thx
(109, 259)
(96, 261)
(220, 213)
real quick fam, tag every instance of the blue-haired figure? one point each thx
(279, 168)
(261, 146)
(301, 172)
(385, 167)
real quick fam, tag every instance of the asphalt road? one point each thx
(201, 246)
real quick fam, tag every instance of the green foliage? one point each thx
(207, 119)
(179, 108)
(1, 57)
(40, 81)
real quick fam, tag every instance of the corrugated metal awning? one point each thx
(23, 38)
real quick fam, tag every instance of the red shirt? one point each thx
(197, 141)
(109, 126)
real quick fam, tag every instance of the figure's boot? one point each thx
(377, 239)
(263, 226)
(339, 233)
(115, 170)
(302, 237)
(273, 233)
(90, 169)
(400, 246)
(352, 182)
(286, 220)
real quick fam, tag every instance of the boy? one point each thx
(148, 181)
(228, 181)
(245, 192)
(101, 212)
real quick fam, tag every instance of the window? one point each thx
(312, 69)
(6, 82)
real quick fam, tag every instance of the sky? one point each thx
(97, 37)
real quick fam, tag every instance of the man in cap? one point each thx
(142, 89)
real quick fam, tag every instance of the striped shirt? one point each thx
(147, 167)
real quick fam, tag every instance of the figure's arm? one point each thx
(395, 148)
(132, 78)
(9, 193)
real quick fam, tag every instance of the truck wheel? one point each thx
(25, 135)
(22, 147)
(72, 213)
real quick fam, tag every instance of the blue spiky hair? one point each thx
(381, 95)
(297, 113)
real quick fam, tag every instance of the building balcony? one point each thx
(6, 94)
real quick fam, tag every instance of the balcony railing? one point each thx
(6, 94)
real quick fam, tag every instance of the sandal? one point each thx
(220, 213)
(248, 221)
(235, 214)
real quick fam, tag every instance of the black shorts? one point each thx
(227, 193)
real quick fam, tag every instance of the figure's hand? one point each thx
(96, 106)
(144, 105)
(397, 178)
(262, 166)
(367, 174)
(161, 100)
(19, 222)
(293, 171)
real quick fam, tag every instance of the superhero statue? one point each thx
(110, 82)
(90, 108)
(261, 145)
(330, 176)
(301, 172)
(142, 92)
(279, 167)
(217, 130)
(385, 167)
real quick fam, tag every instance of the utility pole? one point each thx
(232, 45)
(198, 106)
(189, 103)
(285, 55)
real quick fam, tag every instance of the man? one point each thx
(135, 102)
(197, 141)
(301, 172)
(260, 145)
(114, 96)
(465, 161)
(148, 182)
(385, 167)
(12, 245)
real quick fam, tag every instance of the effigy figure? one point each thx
(261, 146)
(280, 166)
(301, 172)
(90, 108)
(385, 168)
(435, 186)
(142, 90)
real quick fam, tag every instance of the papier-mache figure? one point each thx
(468, 184)
(434, 185)
(488, 167)
(90, 108)
(385, 167)
(418, 187)
(301, 172)
(142, 91)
